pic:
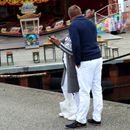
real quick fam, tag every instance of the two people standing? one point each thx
(88, 65)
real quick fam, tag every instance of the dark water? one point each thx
(125, 101)
(55, 85)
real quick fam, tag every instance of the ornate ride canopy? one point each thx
(19, 2)
(25, 16)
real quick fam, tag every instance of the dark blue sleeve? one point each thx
(74, 36)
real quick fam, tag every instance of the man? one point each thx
(88, 62)
(90, 15)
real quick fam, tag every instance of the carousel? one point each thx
(13, 25)
(54, 16)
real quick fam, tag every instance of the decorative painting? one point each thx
(112, 23)
(29, 22)
(31, 41)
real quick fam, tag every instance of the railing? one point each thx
(112, 59)
(104, 12)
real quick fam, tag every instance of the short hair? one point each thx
(88, 10)
(74, 10)
(88, 13)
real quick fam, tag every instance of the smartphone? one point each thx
(49, 37)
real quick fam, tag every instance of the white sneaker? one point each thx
(61, 114)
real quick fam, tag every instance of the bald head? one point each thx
(74, 11)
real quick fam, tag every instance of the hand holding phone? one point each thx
(54, 39)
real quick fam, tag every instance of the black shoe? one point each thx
(75, 125)
(94, 122)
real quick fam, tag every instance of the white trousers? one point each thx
(68, 107)
(89, 78)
